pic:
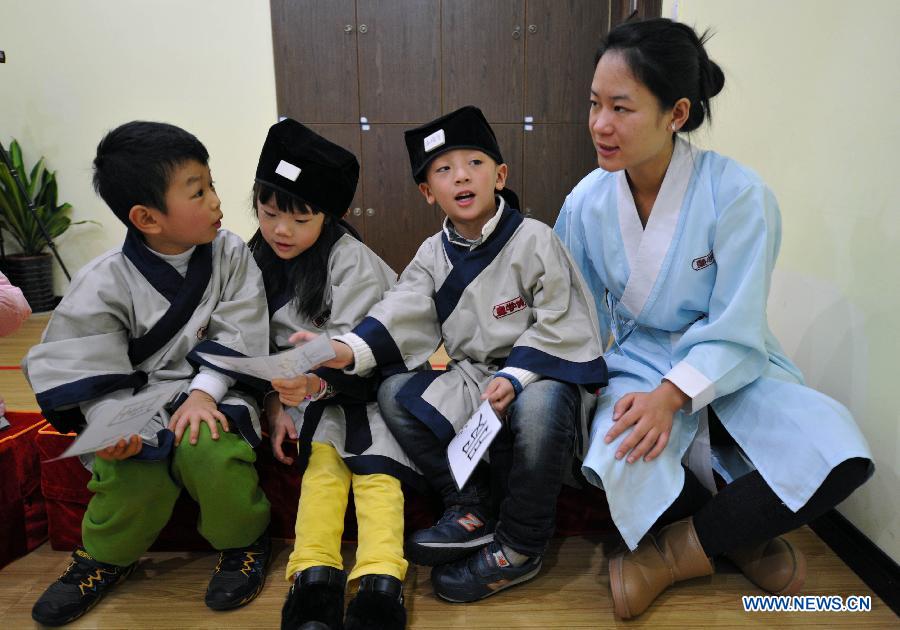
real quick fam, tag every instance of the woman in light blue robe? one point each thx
(678, 246)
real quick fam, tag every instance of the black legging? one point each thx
(747, 511)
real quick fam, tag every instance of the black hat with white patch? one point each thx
(466, 128)
(301, 163)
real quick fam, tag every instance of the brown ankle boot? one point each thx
(775, 566)
(638, 577)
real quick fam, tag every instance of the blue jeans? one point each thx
(528, 459)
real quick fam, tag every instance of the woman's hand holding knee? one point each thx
(650, 414)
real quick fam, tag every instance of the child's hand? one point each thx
(122, 449)
(292, 391)
(2, 407)
(651, 415)
(343, 353)
(500, 393)
(281, 426)
(199, 407)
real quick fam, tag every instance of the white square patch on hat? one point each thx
(435, 140)
(288, 170)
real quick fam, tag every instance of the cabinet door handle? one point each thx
(517, 32)
(357, 212)
(532, 28)
(370, 212)
(348, 28)
(363, 29)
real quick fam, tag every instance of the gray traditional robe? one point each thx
(515, 301)
(351, 422)
(130, 321)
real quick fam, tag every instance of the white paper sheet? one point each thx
(113, 420)
(472, 442)
(287, 364)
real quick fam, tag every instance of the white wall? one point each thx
(810, 103)
(75, 70)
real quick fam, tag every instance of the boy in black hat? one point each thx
(502, 294)
(135, 319)
(320, 278)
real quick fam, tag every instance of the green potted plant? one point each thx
(31, 269)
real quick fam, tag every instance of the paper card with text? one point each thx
(472, 442)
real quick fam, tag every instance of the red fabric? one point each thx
(23, 517)
(64, 487)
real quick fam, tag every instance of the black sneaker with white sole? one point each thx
(458, 533)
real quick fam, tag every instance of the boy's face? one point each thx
(463, 183)
(193, 214)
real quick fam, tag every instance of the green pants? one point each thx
(134, 499)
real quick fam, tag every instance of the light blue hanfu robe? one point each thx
(685, 300)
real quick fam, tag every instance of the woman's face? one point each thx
(627, 125)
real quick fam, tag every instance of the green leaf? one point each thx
(41, 186)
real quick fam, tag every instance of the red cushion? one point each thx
(23, 517)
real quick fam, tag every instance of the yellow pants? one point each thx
(320, 518)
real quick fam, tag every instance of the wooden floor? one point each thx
(572, 590)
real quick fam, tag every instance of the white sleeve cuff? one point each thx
(216, 385)
(525, 377)
(363, 359)
(692, 382)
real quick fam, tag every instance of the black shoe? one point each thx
(378, 605)
(458, 533)
(84, 582)
(315, 601)
(239, 575)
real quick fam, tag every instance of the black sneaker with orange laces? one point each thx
(239, 575)
(83, 584)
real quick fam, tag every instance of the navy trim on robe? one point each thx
(387, 354)
(591, 374)
(275, 303)
(166, 439)
(350, 388)
(82, 390)
(358, 432)
(379, 464)
(240, 417)
(468, 265)
(211, 347)
(184, 294)
(410, 396)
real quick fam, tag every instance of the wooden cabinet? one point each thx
(360, 72)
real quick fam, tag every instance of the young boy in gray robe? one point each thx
(502, 294)
(134, 319)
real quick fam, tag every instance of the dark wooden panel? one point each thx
(399, 60)
(315, 60)
(562, 38)
(402, 219)
(557, 157)
(347, 136)
(622, 9)
(510, 137)
(483, 63)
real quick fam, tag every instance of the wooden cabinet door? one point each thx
(482, 48)
(399, 60)
(314, 45)
(397, 217)
(562, 39)
(621, 10)
(347, 136)
(557, 156)
(510, 137)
